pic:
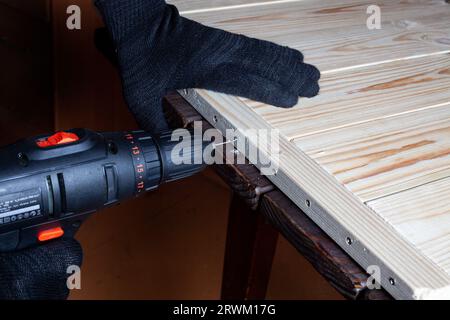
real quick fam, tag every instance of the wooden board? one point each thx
(196, 6)
(405, 212)
(334, 35)
(388, 155)
(369, 158)
(405, 81)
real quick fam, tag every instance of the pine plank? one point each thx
(379, 129)
(334, 208)
(386, 156)
(363, 95)
(421, 215)
(334, 36)
(217, 5)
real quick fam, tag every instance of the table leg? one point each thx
(249, 253)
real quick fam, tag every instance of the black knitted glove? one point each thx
(38, 273)
(160, 51)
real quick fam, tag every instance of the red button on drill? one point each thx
(58, 139)
(50, 234)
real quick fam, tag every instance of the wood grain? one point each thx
(380, 124)
(421, 215)
(321, 251)
(246, 181)
(345, 96)
(385, 156)
(387, 147)
(334, 208)
(334, 36)
(186, 6)
(378, 130)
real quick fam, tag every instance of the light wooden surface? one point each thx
(371, 153)
(424, 208)
(197, 6)
(333, 34)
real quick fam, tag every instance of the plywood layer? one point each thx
(369, 158)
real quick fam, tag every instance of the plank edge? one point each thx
(402, 287)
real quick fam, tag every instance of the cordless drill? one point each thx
(50, 184)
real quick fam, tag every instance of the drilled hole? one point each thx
(349, 241)
(392, 281)
(215, 119)
(308, 203)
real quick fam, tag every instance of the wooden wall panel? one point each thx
(35, 8)
(26, 78)
(87, 88)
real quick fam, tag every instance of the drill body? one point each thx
(51, 183)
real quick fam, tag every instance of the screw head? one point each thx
(392, 281)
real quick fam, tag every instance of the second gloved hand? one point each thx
(159, 50)
(39, 273)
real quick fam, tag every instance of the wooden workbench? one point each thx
(368, 160)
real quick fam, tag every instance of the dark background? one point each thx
(168, 244)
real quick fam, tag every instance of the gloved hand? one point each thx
(158, 51)
(39, 273)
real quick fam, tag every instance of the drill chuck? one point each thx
(50, 184)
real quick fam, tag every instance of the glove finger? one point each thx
(311, 90)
